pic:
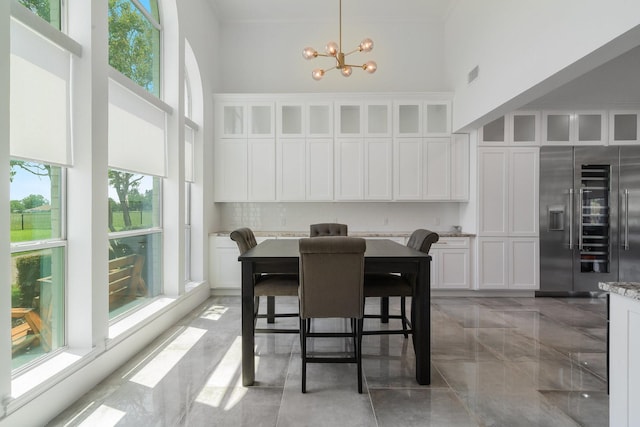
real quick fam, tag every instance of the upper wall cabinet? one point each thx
(574, 128)
(624, 127)
(407, 118)
(304, 119)
(349, 119)
(517, 129)
(377, 118)
(242, 120)
(416, 118)
(437, 118)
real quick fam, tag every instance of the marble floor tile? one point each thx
(495, 362)
(588, 409)
(420, 407)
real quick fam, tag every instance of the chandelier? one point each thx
(334, 50)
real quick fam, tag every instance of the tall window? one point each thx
(135, 240)
(37, 260)
(134, 41)
(40, 75)
(49, 10)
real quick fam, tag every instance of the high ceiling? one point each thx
(320, 10)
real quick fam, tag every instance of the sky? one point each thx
(25, 183)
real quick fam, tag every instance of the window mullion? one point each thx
(147, 15)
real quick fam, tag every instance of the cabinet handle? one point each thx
(626, 220)
(581, 220)
(571, 219)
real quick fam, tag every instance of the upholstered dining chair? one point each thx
(398, 285)
(331, 286)
(267, 285)
(327, 229)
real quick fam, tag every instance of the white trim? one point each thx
(147, 15)
(36, 245)
(129, 84)
(46, 30)
(133, 233)
(190, 123)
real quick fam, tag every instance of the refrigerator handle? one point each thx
(571, 218)
(580, 220)
(626, 220)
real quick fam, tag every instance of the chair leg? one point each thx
(271, 309)
(303, 352)
(359, 352)
(403, 314)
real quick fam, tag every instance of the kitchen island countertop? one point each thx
(626, 289)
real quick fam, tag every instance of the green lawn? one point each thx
(26, 235)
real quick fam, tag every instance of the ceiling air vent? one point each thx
(473, 74)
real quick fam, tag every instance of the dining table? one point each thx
(381, 256)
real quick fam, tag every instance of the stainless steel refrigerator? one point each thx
(589, 217)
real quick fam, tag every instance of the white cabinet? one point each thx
(437, 118)
(624, 350)
(508, 263)
(508, 191)
(436, 169)
(624, 127)
(574, 128)
(460, 167)
(407, 169)
(262, 170)
(349, 119)
(297, 119)
(244, 151)
(407, 119)
(349, 169)
(231, 176)
(508, 254)
(377, 118)
(304, 169)
(378, 169)
(450, 267)
(422, 169)
(517, 129)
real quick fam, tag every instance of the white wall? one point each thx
(267, 57)
(359, 216)
(526, 48)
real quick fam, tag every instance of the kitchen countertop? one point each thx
(352, 234)
(627, 289)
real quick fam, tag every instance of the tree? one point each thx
(123, 183)
(131, 43)
(39, 7)
(34, 201)
(17, 206)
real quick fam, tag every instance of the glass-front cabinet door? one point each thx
(624, 127)
(437, 118)
(494, 132)
(524, 129)
(407, 119)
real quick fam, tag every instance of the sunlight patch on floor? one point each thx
(224, 386)
(104, 416)
(153, 372)
(214, 312)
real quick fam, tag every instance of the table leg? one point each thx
(384, 310)
(422, 322)
(248, 326)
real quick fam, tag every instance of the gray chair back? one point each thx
(422, 240)
(244, 238)
(327, 229)
(331, 277)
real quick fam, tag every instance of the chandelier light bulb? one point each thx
(309, 53)
(317, 74)
(366, 45)
(370, 67)
(332, 48)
